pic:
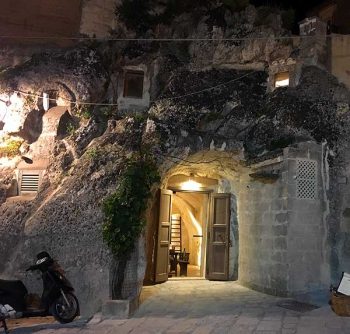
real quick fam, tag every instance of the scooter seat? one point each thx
(13, 293)
(13, 287)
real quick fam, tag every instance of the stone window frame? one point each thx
(125, 83)
(129, 103)
(284, 65)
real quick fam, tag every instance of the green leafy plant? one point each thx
(11, 148)
(125, 208)
(107, 111)
(93, 153)
(29, 101)
(71, 128)
(84, 112)
(124, 212)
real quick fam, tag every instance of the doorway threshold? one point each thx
(186, 278)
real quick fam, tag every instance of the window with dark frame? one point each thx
(133, 84)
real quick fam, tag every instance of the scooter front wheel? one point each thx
(63, 312)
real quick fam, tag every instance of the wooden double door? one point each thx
(218, 237)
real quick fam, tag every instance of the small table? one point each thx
(173, 262)
(183, 267)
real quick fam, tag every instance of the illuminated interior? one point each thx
(190, 210)
(282, 79)
(190, 214)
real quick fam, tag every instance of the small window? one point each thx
(133, 84)
(282, 79)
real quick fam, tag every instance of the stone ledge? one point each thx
(120, 309)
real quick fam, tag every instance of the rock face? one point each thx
(213, 112)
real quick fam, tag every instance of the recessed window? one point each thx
(133, 84)
(282, 79)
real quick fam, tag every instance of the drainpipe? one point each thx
(326, 212)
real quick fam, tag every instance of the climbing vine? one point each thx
(124, 212)
(124, 209)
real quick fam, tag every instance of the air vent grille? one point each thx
(30, 183)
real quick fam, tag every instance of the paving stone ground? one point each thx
(203, 307)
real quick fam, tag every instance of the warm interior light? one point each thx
(191, 184)
(282, 79)
(282, 83)
(198, 227)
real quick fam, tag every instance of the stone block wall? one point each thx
(263, 233)
(282, 233)
(307, 255)
(338, 222)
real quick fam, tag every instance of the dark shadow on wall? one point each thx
(32, 127)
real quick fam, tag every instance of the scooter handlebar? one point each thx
(31, 268)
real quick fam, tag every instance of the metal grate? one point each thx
(306, 179)
(30, 183)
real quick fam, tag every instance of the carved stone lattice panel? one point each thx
(306, 175)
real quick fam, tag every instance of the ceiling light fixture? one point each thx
(191, 184)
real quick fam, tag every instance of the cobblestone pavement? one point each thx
(204, 307)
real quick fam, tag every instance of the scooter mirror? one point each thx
(40, 261)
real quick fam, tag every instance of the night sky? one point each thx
(301, 6)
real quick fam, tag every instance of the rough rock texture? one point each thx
(240, 112)
(61, 72)
(201, 112)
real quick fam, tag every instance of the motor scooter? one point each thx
(58, 298)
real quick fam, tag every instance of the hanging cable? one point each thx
(152, 101)
(111, 39)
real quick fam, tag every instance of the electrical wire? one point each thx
(152, 101)
(160, 40)
(111, 39)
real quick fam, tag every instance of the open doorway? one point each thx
(189, 217)
(193, 239)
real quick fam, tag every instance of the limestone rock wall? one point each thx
(66, 222)
(201, 109)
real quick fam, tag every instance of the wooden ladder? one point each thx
(175, 239)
